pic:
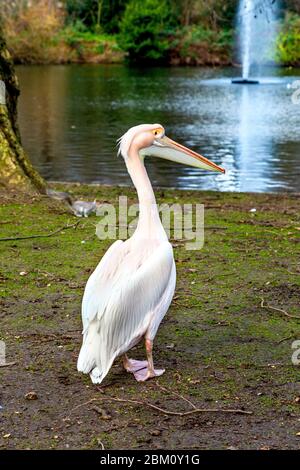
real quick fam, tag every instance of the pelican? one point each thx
(131, 289)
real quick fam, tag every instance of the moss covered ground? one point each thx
(221, 348)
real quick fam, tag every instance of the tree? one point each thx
(16, 171)
(207, 13)
(144, 30)
(96, 14)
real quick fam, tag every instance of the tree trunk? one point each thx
(16, 171)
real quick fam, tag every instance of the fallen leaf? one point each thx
(102, 412)
(155, 432)
(194, 382)
(31, 396)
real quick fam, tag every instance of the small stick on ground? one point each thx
(176, 395)
(100, 443)
(42, 235)
(176, 413)
(294, 272)
(8, 364)
(285, 339)
(80, 406)
(262, 304)
(162, 410)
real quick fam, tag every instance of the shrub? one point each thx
(288, 42)
(196, 45)
(97, 15)
(31, 29)
(144, 30)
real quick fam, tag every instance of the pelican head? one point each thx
(150, 140)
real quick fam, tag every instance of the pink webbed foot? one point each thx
(131, 365)
(144, 374)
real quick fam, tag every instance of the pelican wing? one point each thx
(96, 291)
(122, 293)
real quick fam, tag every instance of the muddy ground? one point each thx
(221, 348)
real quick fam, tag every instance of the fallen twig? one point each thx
(162, 410)
(285, 339)
(80, 406)
(177, 413)
(176, 395)
(178, 304)
(48, 337)
(42, 235)
(278, 310)
(7, 364)
(100, 443)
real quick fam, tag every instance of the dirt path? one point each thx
(220, 347)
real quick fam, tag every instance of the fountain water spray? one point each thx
(257, 35)
(246, 40)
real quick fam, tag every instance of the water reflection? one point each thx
(254, 134)
(70, 117)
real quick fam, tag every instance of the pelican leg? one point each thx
(149, 371)
(131, 365)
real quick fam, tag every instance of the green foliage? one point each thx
(190, 32)
(209, 14)
(145, 28)
(288, 43)
(96, 14)
(71, 34)
(86, 45)
(78, 27)
(197, 45)
(196, 34)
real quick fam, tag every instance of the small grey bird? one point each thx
(79, 208)
(83, 208)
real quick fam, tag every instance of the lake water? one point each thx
(70, 117)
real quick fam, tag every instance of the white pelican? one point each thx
(130, 291)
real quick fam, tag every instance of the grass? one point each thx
(219, 347)
(87, 46)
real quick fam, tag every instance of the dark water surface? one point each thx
(70, 117)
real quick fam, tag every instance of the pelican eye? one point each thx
(157, 132)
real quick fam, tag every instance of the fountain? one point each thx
(257, 32)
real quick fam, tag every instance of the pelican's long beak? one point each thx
(168, 149)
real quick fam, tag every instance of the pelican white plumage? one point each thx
(130, 291)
